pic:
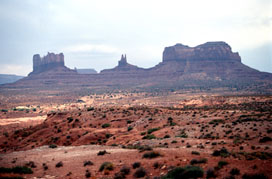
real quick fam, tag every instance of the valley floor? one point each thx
(139, 135)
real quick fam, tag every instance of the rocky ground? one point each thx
(225, 136)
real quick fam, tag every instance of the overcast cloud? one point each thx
(94, 33)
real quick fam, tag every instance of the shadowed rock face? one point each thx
(213, 51)
(48, 62)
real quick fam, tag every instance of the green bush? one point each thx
(125, 170)
(222, 163)
(222, 152)
(235, 171)
(149, 131)
(184, 173)
(102, 152)
(86, 163)
(59, 164)
(198, 161)
(69, 119)
(106, 166)
(195, 153)
(90, 108)
(216, 121)
(149, 136)
(52, 146)
(17, 169)
(136, 165)
(151, 155)
(254, 176)
(106, 125)
(129, 128)
(139, 173)
(265, 139)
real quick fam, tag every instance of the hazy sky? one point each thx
(94, 33)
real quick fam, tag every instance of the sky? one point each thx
(94, 33)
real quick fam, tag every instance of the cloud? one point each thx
(96, 32)
(22, 70)
(92, 48)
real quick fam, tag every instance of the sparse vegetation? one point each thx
(136, 165)
(106, 166)
(17, 169)
(139, 173)
(59, 164)
(149, 136)
(87, 163)
(198, 161)
(151, 155)
(106, 125)
(184, 172)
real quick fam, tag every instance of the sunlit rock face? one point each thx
(213, 51)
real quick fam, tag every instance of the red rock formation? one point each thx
(48, 62)
(215, 51)
(123, 66)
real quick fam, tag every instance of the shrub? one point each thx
(59, 164)
(119, 175)
(216, 121)
(210, 173)
(139, 173)
(85, 163)
(129, 128)
(149, 137)
(222, 163)
(235, 171)
(52, 146)
(103, 152)
(125, 170)
(156, 165)
(31, 164)
(88, 174)
(69, 119)
(90, 108)
(149, 131)
(106, 125)
(45, 167)
(166, 136)
(106, 166)
(142, 148)
(108, 135)
(4, 110)
(222, 152)
(136, 165)
(254, 176)
(195, 161)
(265, 139)
(184, 172)
(17, 169)
(151, 155)
(195, 153)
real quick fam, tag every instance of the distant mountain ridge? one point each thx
(210, 65)
(6, 78)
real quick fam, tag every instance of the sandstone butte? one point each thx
(209, 65)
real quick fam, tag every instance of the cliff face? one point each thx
(210, 51)
(48, 62)
(209, 65)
